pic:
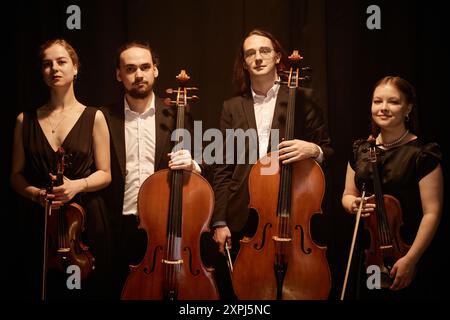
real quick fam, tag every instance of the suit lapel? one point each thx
(249, 111)
(279, 116)
(163, 129)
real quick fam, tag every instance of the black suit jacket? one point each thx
(231, 180)
(165, 119)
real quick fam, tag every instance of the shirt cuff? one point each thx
(219, 224)
(319, 158)
(197, 167)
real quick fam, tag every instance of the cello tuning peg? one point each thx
(168, 102)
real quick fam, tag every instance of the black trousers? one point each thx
(131, 244)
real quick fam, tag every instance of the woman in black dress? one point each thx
(83, 134)
(410, 170)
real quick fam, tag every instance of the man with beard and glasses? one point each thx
(140, 129)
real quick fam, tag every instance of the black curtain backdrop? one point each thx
(203, 36)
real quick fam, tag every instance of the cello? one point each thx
(62, 229)
(281, 261)
(174, 207)
(386, 244)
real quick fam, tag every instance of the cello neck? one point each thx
(292, 82)
(176, 188)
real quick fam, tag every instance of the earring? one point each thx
(74, 77)
(407, 117)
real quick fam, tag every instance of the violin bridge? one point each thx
(281, 239)
(386, 247)
(63, 250)
(172, 261)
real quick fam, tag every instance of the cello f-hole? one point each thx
(263, 241)
(196, 272)
(302, 240)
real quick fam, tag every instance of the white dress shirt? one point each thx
(264, 107)
(140, 146)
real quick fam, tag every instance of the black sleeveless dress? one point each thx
(40, 160)
(400, 168)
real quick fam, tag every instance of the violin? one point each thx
(281, 261)
(175, 207)
(63, 227)
(386, 244)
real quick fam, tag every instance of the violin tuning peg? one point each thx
(306, 69)
(192, 88)
(194, 98)
(305, 78)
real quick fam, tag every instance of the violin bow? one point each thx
(228, 257)
(352, 247)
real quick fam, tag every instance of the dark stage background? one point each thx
(203, 36)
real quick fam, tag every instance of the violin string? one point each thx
(383, 227)
(60, 228)
(381, 222)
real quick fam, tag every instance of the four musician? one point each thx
(139, 144)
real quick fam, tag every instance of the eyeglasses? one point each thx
(265, 53)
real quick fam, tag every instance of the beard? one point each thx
(139, 93)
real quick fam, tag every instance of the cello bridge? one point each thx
(172, 261)
(281, 239)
